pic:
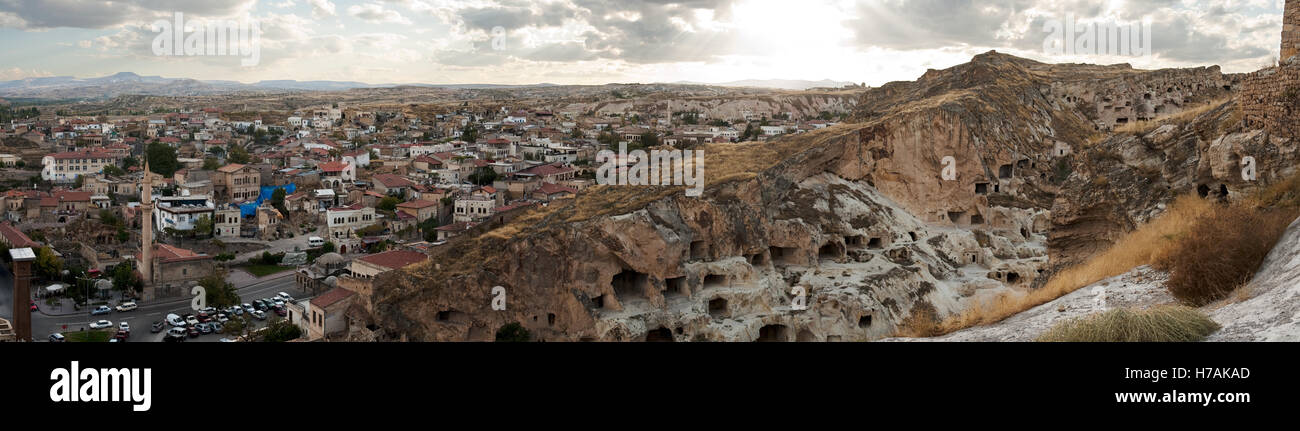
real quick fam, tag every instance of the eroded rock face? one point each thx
(836, 241)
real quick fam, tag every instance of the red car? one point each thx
(204, 318)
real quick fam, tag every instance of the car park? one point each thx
(156, 327)
(127, 306)
(57, 338)
(101, 324)
(103, 309)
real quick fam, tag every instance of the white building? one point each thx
(181, 212)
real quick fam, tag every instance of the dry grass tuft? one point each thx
(1179, 118)
(1170, 323)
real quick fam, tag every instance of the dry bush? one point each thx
(922, 322)
(1221, 251)
(1179, 118)
(1169, 323)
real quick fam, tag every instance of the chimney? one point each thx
(22, 269)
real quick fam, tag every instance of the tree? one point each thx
(277, 200)
(513, 332)
(162, 159)
(220, 294)
(329, 247)
(203, 227)
(280, 330)
(483, 176)
(388, 203)
(124, 276)
(237, 154)
(129, 161)
(211, 164)
(113, 171)
(469, 134)
(47, 264)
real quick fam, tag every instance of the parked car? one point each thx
(103, 309)
(204, 317)
(193, 332)
(285, 297)
(156, 327)
(176, 332)
(246, 306)
(101, 324)
(237, 310)
(175, 320)
(259, 314)
(57, 338)
(222, 318)
(204, 328)
(216, 327)
(127, 306)
(281, 311)
(121, 335)
(191, 320)
(277, 303)
(124, 326)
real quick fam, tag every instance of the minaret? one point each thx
(1290, 30)
(146, 227)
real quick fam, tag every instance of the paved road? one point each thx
(141, 318)
(282, 245)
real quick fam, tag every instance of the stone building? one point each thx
(172, 269)
(237, 183)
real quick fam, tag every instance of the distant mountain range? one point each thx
(783, 84)
(124, 83)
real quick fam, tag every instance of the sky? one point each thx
(604, 41)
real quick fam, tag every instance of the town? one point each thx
(285, 218)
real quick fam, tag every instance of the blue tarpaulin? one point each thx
(250, 209)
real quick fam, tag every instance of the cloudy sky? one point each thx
(601, 41)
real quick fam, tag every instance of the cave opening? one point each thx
(629, 284)
(830, 251)
(773, 333)
(1004, 171)
(981, 188)
(1202, 190)
(875, 243)
(976, 219)
(715, 280)
(699, 250)
(783, 255)
(675, 287)
(661, 335)
(718, 308)
(864, 321)
(1012, 277)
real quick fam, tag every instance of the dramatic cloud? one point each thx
(44, 14)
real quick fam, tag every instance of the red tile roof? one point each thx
(329, 298)
(395, 259)
(390, 180)
(333, 166)
(167, 253)
(552, 188)
(16, 238)
(417, 204)
(233, 167)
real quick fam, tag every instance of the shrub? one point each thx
(1168, 323)
(1221, 251)
(513, 332)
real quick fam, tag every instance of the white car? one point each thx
(123, 326)
(192, 321)
(237, 310)
(101, 324)
(285, 297)
(127, 306)
(175, 320)
(259, 314)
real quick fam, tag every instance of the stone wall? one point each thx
(1269, 98)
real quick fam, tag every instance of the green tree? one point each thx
(388, 203)
(513, 332)
(220, 294)
(277, 200)
(124, 276)
(469, 134)
(162, 159)
(237, 154)
(47, 264)
(483, 176)
(280, 330)
(113, 171)
(203, 227)
(129, 161)
(211, 164)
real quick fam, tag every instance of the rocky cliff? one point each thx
(831, 235)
